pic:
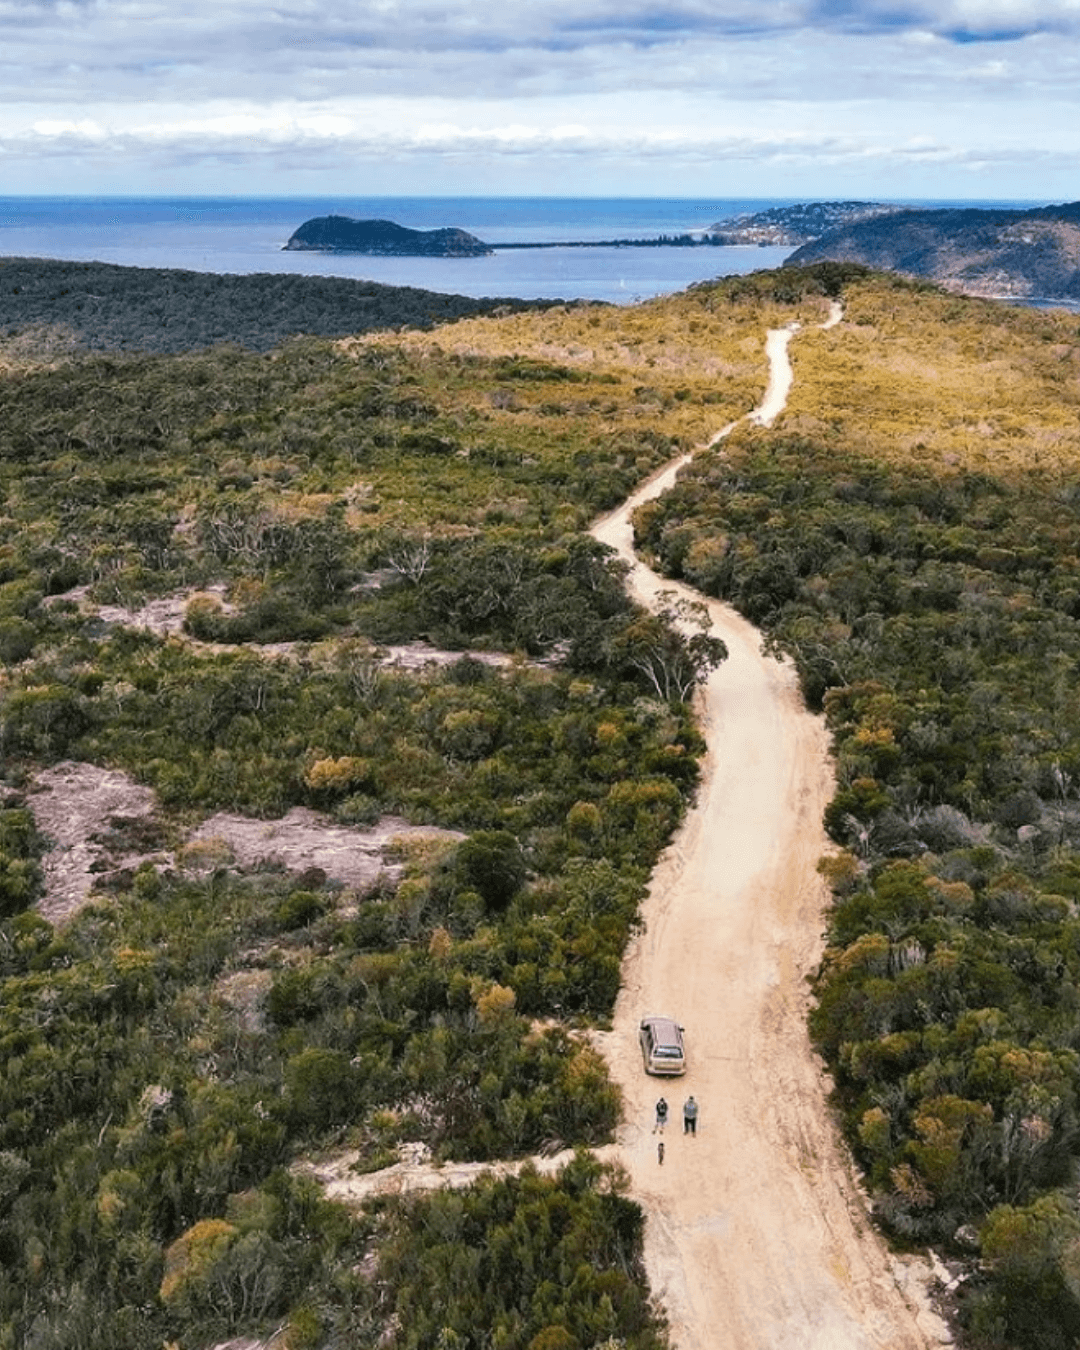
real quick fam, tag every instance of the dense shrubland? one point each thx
(169, 1053)
(478, 1266)
(58, 307)
(910, 535)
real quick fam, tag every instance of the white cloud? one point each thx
(84, 129)
(139, 50)
(371, 131)
(702, 83)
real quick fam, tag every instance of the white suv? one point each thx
(662, 1046)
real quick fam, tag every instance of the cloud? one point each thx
(702, 82)
(321, 53)
(267, 134)
(137, 48)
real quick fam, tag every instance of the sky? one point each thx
(808, 99)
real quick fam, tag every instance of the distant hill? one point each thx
(51, 305)
(1019, 254)
(795, 225)
(341, 234)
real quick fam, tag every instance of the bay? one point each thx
(244, 235)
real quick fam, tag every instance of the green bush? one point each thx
(491, 863)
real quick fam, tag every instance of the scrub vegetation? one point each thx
(173, 1048)
(58, 308)
(909, 532)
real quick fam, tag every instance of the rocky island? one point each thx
(384, 238)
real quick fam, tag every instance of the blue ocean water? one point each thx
(247, 234)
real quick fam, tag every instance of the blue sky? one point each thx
(898, 99)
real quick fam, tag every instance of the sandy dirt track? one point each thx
(757, 1235)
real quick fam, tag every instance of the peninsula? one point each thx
(1023, 255)
(797, 225)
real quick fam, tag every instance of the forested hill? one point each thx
(797, 225)
(340, 234)
(91, 306)
(1026, 254)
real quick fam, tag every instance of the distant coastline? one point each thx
(994, 253)
(243, 236)
(780, 226)
(387, 239)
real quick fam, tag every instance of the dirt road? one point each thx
(757, 1236)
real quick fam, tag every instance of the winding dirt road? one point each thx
(757, 1236)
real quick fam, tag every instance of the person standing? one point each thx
(661, 1116)
(689, 1116)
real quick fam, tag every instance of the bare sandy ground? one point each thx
(414, 1173)
(75, 806)
(84, 811)
(757, 1235)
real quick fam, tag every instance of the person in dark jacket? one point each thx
(661, 1116)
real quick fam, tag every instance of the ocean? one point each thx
(246, 234)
